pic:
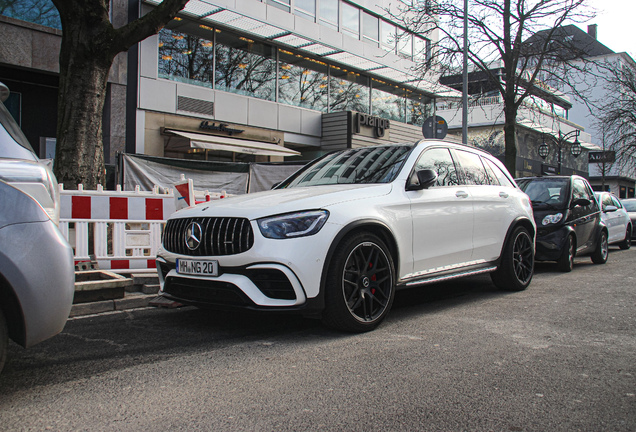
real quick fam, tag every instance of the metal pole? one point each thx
(465, 76)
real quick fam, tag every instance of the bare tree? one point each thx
(497, 31)
(89, 45)
(618, 114)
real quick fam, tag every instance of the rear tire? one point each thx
(4, 340)
(565, 263)
(602, 250)
(627, 243)
(360, 284)
(517, 262)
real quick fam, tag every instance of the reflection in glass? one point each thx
(329, 13)
(405, 45)
(352, 166)
(34, 11)
(388, 101)
(370, 28)
(440, 161)
(306, 8)
(418, 108)
(280, 4)
(388, 36)
(303, 81)
(349, 91)
(245, 67)
(351, 20)
(184, 57)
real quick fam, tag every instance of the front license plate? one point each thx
(197, 267)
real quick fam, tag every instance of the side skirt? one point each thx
(445, 276)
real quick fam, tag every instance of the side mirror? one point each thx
(610, 208)
(583, 202)
(425, 179)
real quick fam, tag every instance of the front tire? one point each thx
(360, 284)
(517, 262)
(4, 340)
(602, 250)
(565, 263)
(627, 243)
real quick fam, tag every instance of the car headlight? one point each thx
(552, 219)
(293, 224)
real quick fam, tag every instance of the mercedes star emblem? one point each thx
(193, 236)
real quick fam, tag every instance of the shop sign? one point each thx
(222, 127)
(548, 170)
(602, 157)
(378, 124)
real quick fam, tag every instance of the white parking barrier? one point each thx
(126, 227)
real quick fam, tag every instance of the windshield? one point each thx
(13, 143)
(352, 166)
(546, 191)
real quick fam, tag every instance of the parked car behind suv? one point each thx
(568, 220)
(336, 239)
(630, 206)
(37, 276)
(616, 218)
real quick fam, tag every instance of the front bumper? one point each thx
(550, 243)
(272, 274)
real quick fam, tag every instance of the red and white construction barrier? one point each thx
(126, 226)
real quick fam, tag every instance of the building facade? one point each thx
(589, 75)
(227, 77)
(542, 118)
(309, 75)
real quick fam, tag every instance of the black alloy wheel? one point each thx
(360, 284)
(602, 250)
(565, 262)
(517, 262)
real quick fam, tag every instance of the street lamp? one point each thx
(561, 142)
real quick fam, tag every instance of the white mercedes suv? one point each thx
(336, 239)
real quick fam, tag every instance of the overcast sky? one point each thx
(616, 20)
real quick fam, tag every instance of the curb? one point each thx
(130, 301)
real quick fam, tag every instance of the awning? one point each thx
(212, 142)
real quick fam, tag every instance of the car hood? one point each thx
(279, 201)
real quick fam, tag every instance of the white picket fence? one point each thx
(119, 230)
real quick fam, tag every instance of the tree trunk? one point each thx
(79, 154)
(510, 137)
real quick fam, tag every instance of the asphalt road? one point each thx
(461, 356)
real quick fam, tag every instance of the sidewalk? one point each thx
(141, 291)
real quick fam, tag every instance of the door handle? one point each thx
(503, 195)
(461, 194)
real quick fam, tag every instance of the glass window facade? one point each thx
(370, 28)
(306, 9)
(245, 67)
(34, 11)
(349, 91)
(328, 12)
(303, 82)
(204, 56)
(351, 20)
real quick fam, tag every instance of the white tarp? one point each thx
(232, 177)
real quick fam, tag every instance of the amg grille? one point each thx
(219, 236)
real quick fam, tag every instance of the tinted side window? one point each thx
(580, 189)
(472, 168)
(440, 161)
(502, 178)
